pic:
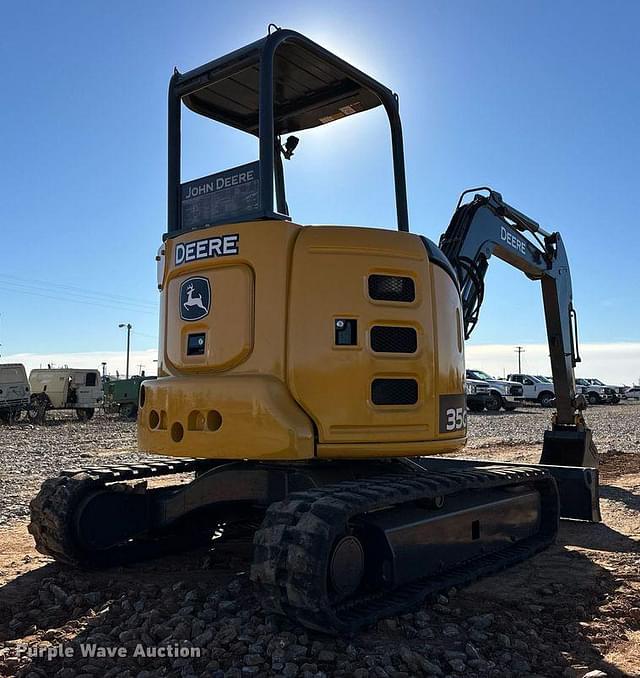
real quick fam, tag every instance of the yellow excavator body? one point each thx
(317, 341)
(309, 375)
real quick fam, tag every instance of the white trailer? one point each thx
(64, 389)
(14, 392)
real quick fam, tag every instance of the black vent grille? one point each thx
(391, 288)
(394, 391)
(386, 339)
(515, 390)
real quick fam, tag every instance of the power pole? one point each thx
(519, 350)
(128, 326)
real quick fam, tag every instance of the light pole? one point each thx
(519, 350)
(128, 326)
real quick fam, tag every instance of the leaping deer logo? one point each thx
(195, 298)
(193, 301)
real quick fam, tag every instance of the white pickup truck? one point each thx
(612, 392)
(633, 392)
(594, 393)
(535, 388)
(504, 393)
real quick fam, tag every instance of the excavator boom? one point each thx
(488, 226)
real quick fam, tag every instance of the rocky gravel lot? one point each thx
(573, 610)
(615, 427)
(29, 454)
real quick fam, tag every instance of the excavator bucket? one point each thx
(571, 457)
(568, 446)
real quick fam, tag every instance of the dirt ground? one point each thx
(569, 611)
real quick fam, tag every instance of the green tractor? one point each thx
(121, 395)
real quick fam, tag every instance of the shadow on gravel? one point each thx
(620, 494)
(540, 617)
(54, 594)
(560, 600)
(597, 536)
(15, 595)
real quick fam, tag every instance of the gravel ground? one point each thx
(615, 427)
(571, 611)
(29, 454)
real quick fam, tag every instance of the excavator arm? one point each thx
(488, 226)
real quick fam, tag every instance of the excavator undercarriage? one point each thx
(311, 378)
(338, 546)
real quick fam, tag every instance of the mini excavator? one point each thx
(309, 375)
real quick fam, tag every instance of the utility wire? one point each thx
(48, 283)
(78, 291)
(75, 296)
(88, 296)
(12, 287)
(142, 334)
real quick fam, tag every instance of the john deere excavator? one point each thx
(309, 374)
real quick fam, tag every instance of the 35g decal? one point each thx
(453, 413)
(456, 418)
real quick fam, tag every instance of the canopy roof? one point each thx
(311, 87)
(280, 84)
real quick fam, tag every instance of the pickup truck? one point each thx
(633, 392)
(612, 392)
(594, 393)
(478, 394)
(504, 393)
(535, 388)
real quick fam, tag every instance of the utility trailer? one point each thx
(14, 392)
(121, 395)
(64, 389)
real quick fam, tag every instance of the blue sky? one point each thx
(539, 100)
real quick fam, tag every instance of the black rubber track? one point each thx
(53, 513)
(293, 545)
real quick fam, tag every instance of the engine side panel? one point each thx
(449, 372)
(355, 393)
